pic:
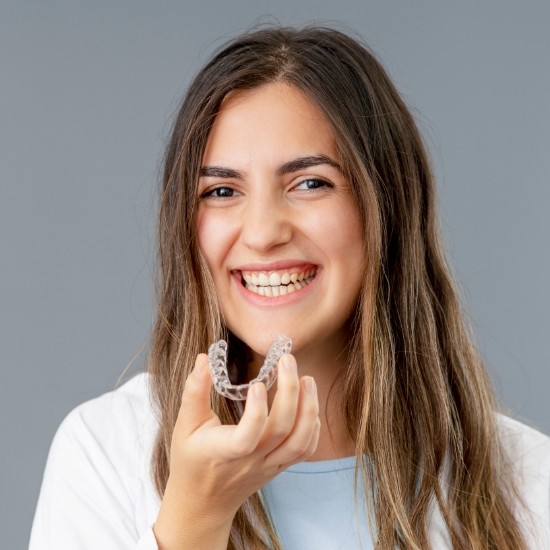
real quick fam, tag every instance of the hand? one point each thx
(215, 468)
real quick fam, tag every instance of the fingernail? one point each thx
(199, 370)
(288, 363)
(310, 385)
(259, 391)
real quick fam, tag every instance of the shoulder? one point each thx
(524, 443)
(528, 452)
(117, 425)
(129, 404)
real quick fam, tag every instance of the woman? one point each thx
(297, 199)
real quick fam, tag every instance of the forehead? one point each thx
(274, 120)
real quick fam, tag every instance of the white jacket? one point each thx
(97, 491)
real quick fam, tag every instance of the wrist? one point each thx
(183, 524)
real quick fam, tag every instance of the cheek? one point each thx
(215, 237)
(337, 230)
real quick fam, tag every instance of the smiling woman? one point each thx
(272, 192)
(298, 200)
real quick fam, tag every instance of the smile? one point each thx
(277, 283)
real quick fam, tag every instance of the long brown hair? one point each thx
(418, 401)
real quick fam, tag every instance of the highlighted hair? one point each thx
(418, 401)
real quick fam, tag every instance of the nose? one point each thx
(266, 223)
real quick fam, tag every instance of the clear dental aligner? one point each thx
(217, 360)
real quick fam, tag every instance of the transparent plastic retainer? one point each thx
(217, 360)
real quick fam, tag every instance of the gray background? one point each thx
(87, 92)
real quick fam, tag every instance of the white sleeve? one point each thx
(86, 499)
(529, 452)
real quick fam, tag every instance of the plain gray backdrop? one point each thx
(87, 93)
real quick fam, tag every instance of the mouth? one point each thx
(278, 282)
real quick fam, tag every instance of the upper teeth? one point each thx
(275, 278)
(277, 283)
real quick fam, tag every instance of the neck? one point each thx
(328, 364)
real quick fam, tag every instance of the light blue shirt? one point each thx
(312, 507)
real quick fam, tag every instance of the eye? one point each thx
(311, 184)
(220, 193)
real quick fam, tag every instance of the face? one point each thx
(277, 224)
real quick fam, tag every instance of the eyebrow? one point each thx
(300, 163)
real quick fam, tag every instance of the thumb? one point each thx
(195, 406)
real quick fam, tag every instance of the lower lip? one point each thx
(272, 301)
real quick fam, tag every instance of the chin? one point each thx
(260, 341)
